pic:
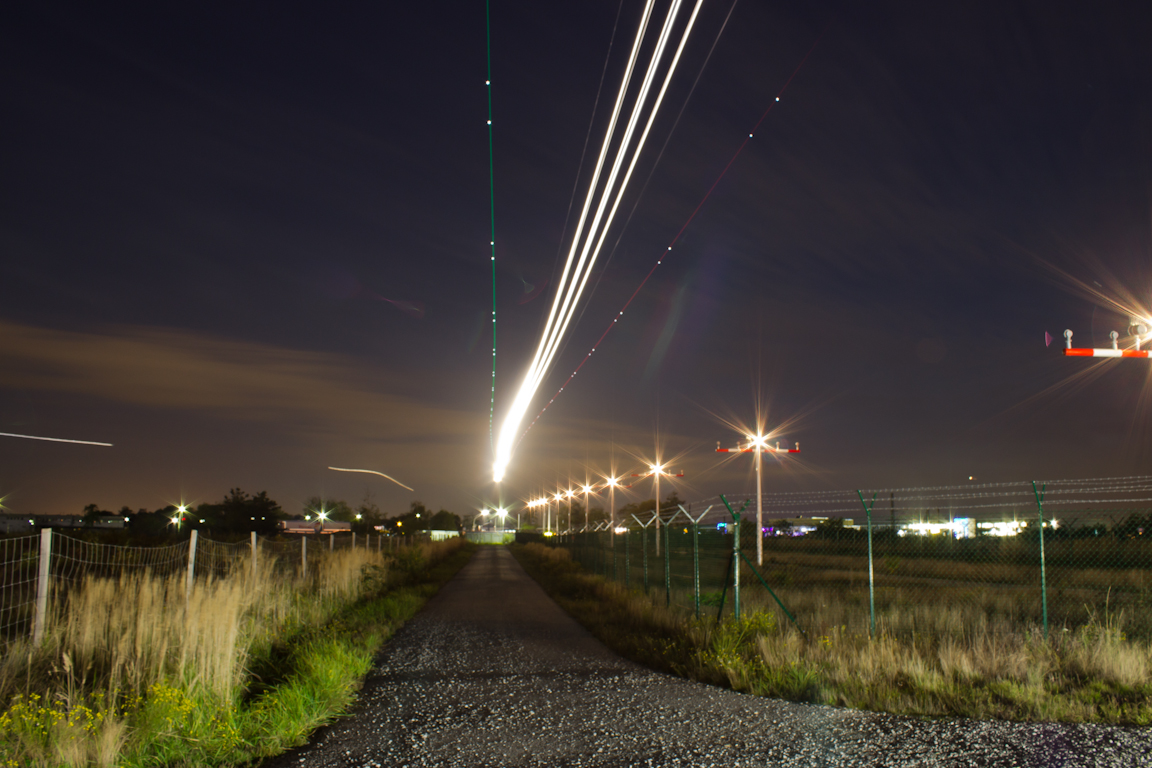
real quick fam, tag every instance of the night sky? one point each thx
(244, 242)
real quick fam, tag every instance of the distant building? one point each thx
(31, 523)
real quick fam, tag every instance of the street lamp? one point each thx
(570, 493)
(587, 490)
(611, 483)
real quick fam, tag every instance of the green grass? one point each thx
(1093, 673)
(295, 662)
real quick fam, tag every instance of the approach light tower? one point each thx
(1139, 329)
(757, 444)
(657, 471)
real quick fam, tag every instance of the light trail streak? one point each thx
(679, 233)
(56, 439)
(492, 211)
(574, 277)
(373, 472)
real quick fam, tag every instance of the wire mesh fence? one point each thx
(946, 560)
(37, 573)
(19, 566)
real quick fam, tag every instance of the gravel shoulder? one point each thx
(493, 673)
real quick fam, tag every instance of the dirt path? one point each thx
(493, 673)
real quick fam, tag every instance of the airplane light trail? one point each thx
(680, 232)
(373, 472)
(56, 439)
(589, 241)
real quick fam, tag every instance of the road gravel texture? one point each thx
(493, 673)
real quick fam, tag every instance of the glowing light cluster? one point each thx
(588, 236)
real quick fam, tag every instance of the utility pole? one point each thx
(758, 446)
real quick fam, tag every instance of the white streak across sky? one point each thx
(372, 472)
(56, 439)
(588, 237)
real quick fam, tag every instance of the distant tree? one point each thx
(240, 512)
(368, 516)
(670, 505)
(445, 521)
(417, 518)
(92, 513)
(145, 523)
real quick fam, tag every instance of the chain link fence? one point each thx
(953, 560)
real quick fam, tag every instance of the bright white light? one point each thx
(621, 529)
(587, 489)
(612, 481)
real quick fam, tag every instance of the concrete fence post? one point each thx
(303, 556)
(42, 585)
(253, 557)
(191, 565)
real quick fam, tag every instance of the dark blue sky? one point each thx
(244, 242)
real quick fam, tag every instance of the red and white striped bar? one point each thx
(765, 449)
(1106, 353)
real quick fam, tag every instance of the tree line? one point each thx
(241, 512)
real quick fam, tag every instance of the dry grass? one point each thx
(975, 658)
(128, 651)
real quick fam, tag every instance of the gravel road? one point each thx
(493, 673)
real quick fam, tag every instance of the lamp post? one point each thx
(587, 490)
(656, 471)
(611, 483)
(757, 444)
(569, 493)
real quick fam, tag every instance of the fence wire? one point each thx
(19, 562)
(1079, 555)
(74, 559)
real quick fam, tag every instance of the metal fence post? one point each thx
(353, 539)
(627, 559)
(331, 542)
(191, 565)
(303, 556)
(253, 557)
(644, 547)
(42, 585)
(1043, 570)
(736, 570)
(667, 565)
(612, 539)
(696, 566)
(871, 573)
